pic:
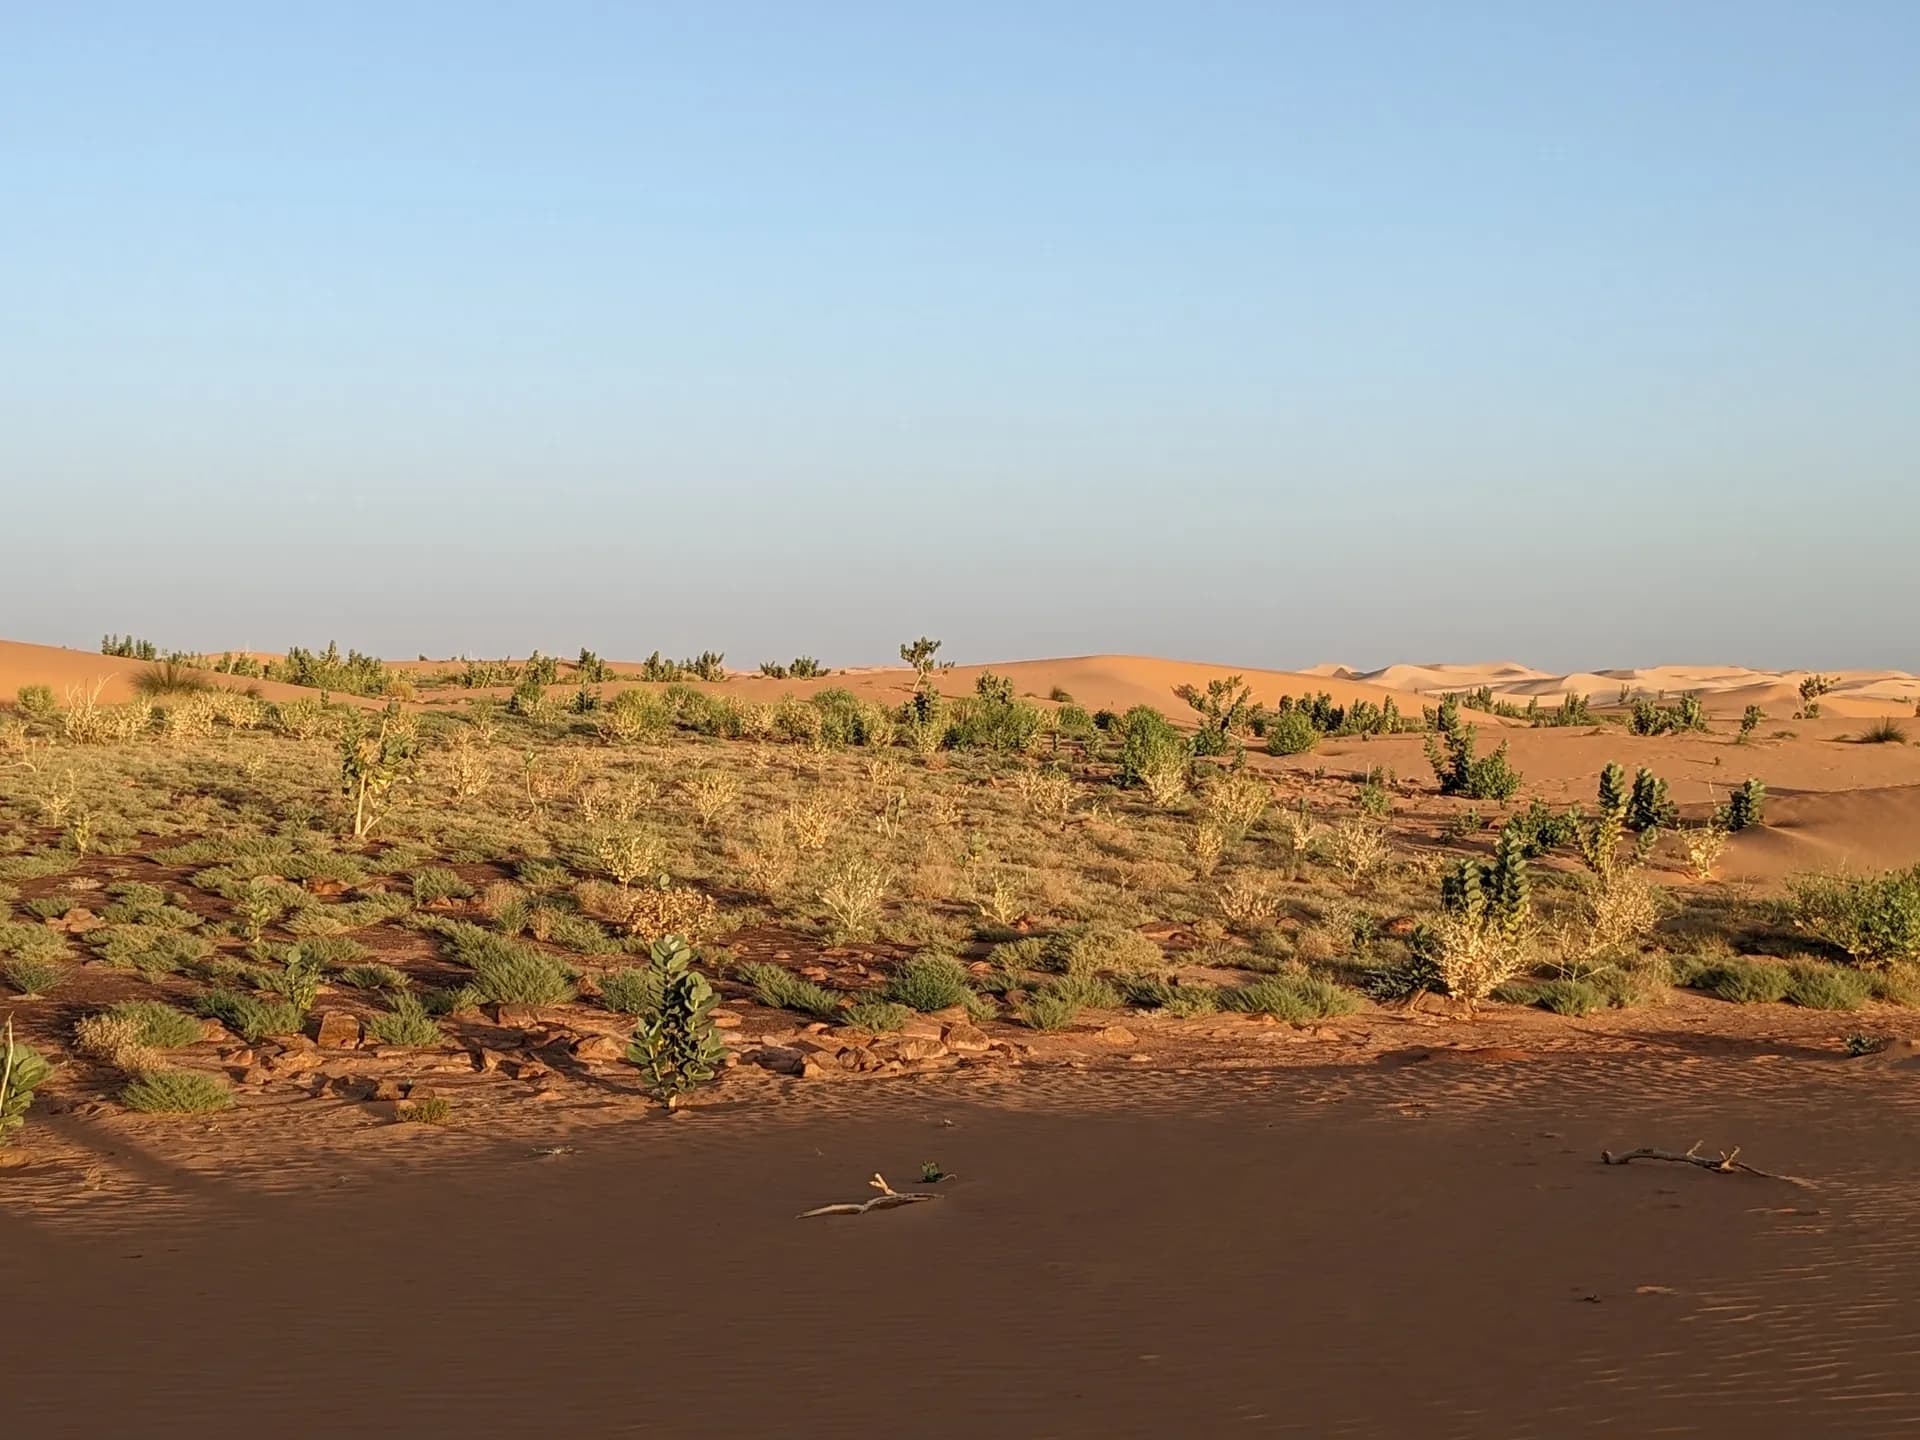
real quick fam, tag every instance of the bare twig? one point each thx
(887, 1199)
(1728, 1162)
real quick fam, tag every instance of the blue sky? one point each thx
(1269, 333)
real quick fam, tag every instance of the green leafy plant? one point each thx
(33, 976)
(929, 982)
(1874, 918)
(1226, 710)
(23, 1070)
(780, 989)
(677, 1047)
(375, 762)
(1450, 751)
(1291, 732)
(1648, 807)
(1751, 719)
(156, 1024)
(1745, 808)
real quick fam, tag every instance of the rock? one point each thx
(964, 1038)
(487, 1061)
(594, 1048)
(212, 1032)
(338, 1031)
(352, 1087)
(915, 1047)
(79, 920)
(526, 1070)
(1116, 1035)
(252, 1075)
(388, 1090)
(243, 1057)
(819, 1045)
(860, 1060)
(291, 1064)
(811, 1069)
(724, 1021)
(815, 972)
(516, 1017)
(780, 1059)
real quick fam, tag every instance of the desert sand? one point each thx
(1389, 1219)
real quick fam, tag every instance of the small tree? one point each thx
(676, 1047)
(919, 654)
(1745, 808)
(1750, 720)
(1450, 751)
(1226, 709)
(375, 762)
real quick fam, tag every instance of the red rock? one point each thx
(598, 1048)
(965, 1038)
(338, 1031)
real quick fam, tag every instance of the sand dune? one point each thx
(1725, 689)
(63, 670)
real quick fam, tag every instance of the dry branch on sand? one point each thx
(887, 1199)
(1728, 1162)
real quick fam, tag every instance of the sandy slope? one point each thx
(1426, 1249)
(69, 670)
(1725, 689)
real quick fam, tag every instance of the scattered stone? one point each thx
(338, 1031)
(723, 1021)
(78, 921)
(811, 1068)
(244, 1057)
(212, 1032)
(487, 1061)
(915, 1047)
(252, 1075)
(596, 1048)
(389, 1090)
(352, 1087)
(526, 1070)
(291, 1064)
(780, 1059)
(516, 1017)
(1116, 1035)
(965, 1038)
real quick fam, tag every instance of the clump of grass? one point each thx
(1297, 999)
(374, 976)
(1884, 732)
(1103, 947)
(169, 677)
(1048, 1010)
(33, 975)
(436, 883)
(157, 1024)
(427, 1110)
(1088, 992)
(507, 972)
(176, 1092)
(330, 952)
(251, 1017)
(929, 982)
(461, 999)
(405, 1022)
(1827, 987)
(781, 989)
(632, 990)
(1570, 997)
(1739, 982)
(879, 1017)
(149, 949)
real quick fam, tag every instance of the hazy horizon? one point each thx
(1315, 334)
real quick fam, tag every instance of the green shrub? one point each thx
(33, 975)
(1742, 982)
(929, 982)
(1103, 947)
(36, 701)
(632, 990)
(160, 1026)
(1149, 742)
(405, 1022)
(780, 989)
(1745, 808)
(1648, 807)
(1884, 732)
(150, 950)
(1297, 999)
(1827, 987)
(676, 1048)
(1450, 751)
(437, 883)
(1875, 919)
(176, 1092)
(374, 976)
(879, 1017)
(250, 1017)
(1049, 1010)
(1291, 732)
(23, 1070)
(1569, 997)
(1541, 829)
